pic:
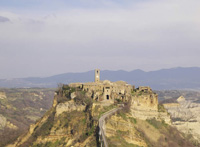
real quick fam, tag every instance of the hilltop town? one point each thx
(103, 112)
(144, 102)
(106, 90)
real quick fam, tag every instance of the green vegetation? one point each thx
(151, 131)
(106, 109)
(45, 129)
(133, 92)
(66, 87)
(168, 135)
(42, 130)
(64, 94)
(118, 140)
(119, 132)
(57, 143)
(82, 99)
(93, 142)
(118, 100)
(177, 119)
(81, 125)
(161, 108)
(122, 115)
(133, 120)
(86, 133)
(8, 136)
(157, 124)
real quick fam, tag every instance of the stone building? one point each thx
(143, 101)
(106, 90)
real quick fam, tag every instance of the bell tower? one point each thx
(97, 75)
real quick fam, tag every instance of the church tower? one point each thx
(97, 75)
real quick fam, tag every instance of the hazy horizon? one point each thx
(94, 69)
(45, 38)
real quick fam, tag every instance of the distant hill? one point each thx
(21, 107)
(174, 78)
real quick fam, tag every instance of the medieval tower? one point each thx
(97, 75)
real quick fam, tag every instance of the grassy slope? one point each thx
(154, 133)
(84, 128)
(80, 126)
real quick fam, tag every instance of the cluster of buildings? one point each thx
(107, 90)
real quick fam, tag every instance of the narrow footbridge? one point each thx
(102, 136)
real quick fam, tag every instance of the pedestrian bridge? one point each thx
(102, 129)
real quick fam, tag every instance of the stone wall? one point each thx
(145, 102)
(68, 106)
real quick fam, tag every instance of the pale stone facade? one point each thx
(106, 90)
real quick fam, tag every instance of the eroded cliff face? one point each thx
(72, 121)
(69, 122)
(185, 116)
(144, 105)
(69, 106)
(124, 130)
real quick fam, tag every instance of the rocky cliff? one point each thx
(144, 105)
(124, 130)
(3, 95)
(185, 116)
(73, 121)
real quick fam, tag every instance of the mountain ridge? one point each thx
(173, 78)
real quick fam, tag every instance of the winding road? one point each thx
(102, 126)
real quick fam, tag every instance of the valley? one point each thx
(19, 108)
(70, 116)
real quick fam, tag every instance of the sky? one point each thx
(40, 38)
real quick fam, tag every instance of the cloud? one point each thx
(147, 35)
(3, 19)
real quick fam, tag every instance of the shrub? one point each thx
(161, 108)
(118, 100)
(154, 123)
(46, 127)
(133, 120)
(51, 144)
(127, 107)
(122, 114)
(61, 99)
(66, 87)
